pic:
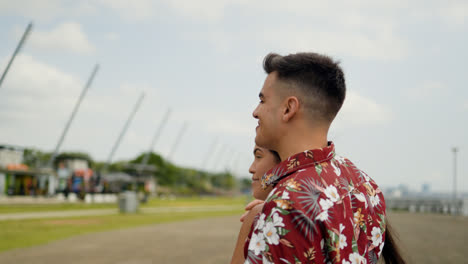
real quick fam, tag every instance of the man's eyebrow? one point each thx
(261, 95)
(255, 150)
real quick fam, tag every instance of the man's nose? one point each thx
(255, 113)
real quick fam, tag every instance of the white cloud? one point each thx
(46, 10)
(37, 10)
(350, 29)
(205, 10)
(112, 36)
(359, 110)
(450, 13)
(34, 96)
(428, 91)
(37, 81)
(236, 123)
(454, 12)
(68, 36)
(136, 10)
(382, 45)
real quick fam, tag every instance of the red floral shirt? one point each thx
(323, 209)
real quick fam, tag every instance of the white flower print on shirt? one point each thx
(332, 193)
(325, 204)
(376, 236)
(355, 258)
(323, 216)
(336, 168)
(342, 243)
(375, 200)
(277, 220)
(260, 222)
(270, 234)
(257, 243)
(361, 198)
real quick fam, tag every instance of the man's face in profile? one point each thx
(268, 113)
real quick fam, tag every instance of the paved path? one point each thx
(196, 241)
(74, 213)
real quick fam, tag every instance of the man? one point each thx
(323, 209)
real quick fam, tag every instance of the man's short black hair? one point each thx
(319, 80)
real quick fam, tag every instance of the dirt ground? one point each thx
(425, 238)
(432, 238)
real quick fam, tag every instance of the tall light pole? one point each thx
(124, 130)
(176, 143)
(18, 48)
(145, 159)
(454, 150)
(209, 154)
(70, 120)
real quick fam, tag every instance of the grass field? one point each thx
(24, 233)
(27, 208)
(185, 201)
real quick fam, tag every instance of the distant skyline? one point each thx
(405, 67)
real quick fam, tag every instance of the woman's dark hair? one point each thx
(390, 252)
(319, 80)
(276, 155)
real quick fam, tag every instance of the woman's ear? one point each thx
(291, 107)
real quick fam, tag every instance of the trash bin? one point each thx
(128, 202)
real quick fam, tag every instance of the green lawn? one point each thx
(27, 208)
(192, 201)
(24, 233)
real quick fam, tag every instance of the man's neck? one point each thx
(299, 141)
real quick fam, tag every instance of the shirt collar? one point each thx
(296, 162)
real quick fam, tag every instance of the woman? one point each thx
(264, 160)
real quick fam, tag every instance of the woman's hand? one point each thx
(250, 206)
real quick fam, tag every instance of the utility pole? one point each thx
(176, 143)
(209, 154)
(220, 154)
(144, 162)
(75, 110)
(124, 130)
(231, 159)
(18, 48)
(454, 150)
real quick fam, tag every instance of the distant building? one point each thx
(425, 188)
(396, 192)
(10, 155)
(76, 164)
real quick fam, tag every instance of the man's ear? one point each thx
(291, 107)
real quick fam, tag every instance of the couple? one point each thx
(318, 206)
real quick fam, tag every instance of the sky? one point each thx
(404, 62)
